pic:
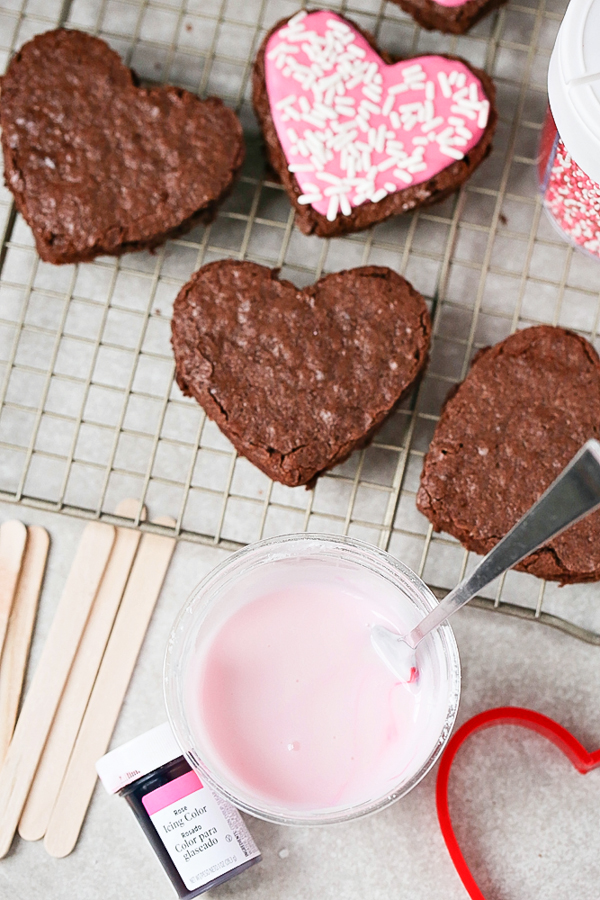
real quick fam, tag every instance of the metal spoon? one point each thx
(574, 494)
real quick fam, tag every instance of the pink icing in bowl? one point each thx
(278, 699)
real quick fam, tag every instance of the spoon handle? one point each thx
(574, 494)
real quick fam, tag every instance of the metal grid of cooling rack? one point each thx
(89, 412)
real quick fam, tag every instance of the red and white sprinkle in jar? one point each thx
(569, 162)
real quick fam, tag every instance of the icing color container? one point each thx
(569, 162)
(199, 838)
(277, 697)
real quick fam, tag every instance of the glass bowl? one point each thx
(399, 599)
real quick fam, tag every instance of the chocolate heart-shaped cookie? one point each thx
(525, 408)
(355, 138)
(296, 379)
(449, 16)
(98, 165)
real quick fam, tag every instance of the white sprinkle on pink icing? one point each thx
(355, 129)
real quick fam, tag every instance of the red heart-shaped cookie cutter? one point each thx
(582, 759)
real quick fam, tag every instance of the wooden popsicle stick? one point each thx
(133, 618)
(20, 630)
(59, 744)
(13, 537)
(50, 676)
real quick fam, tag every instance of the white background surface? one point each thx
(527, 821)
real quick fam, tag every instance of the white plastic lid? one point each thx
(138, 757)
(574, 84)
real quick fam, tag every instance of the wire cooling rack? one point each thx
(89, 412)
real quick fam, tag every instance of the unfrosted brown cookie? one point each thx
(341, 118)
(525, 408)
(297, 379)
(98, 165)
(449, 19)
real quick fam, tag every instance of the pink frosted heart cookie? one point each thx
(450, 16)
(356, 138)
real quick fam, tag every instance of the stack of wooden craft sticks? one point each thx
(72, 705)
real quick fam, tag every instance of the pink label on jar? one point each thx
(573, 199)
(204, 835)
(172, 792)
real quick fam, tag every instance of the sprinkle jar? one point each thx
(569, 160)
